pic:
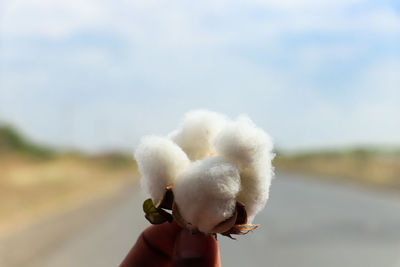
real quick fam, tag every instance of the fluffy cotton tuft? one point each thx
(249, 148)
(197, 131)
(211, 163)
(205, 192)
(159, 160)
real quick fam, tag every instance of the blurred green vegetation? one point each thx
(376, 166)
(359, 152)
(115, 159)
(12, 141)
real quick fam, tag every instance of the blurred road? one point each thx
(306, 223)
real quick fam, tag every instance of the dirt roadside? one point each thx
(40, 238)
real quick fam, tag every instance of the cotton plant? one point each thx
(213, 173)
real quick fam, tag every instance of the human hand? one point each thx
(169, 245)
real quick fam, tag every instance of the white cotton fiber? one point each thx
(159, 160)
(197, 131)
(212, 163)
(249, 148)
(206, 191)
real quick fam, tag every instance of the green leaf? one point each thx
(148, 206)
(155, 215)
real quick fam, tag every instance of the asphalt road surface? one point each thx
(307, 223)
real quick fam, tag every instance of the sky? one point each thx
(97, 75)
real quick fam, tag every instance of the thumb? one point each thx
(196, 250)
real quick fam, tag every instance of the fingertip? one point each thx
(154, 246)
(163, 236)
(196, 250)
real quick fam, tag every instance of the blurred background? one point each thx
(82, 81)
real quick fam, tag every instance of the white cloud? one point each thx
(371, 115)
(384, 20)
(177, 22)
(293, 4)
(51, 18)
(178, 55)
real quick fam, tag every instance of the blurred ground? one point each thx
(36, 182)
(68, 209)
(30, 189)
(320, 222)
(44, 238)
(307, 222)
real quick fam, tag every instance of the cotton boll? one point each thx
(206, 191)
(197, 131)
(159, 160)
(249, 147)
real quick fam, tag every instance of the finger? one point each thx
(154, 246)
(196, 250)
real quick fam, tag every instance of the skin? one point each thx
(169, 245)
